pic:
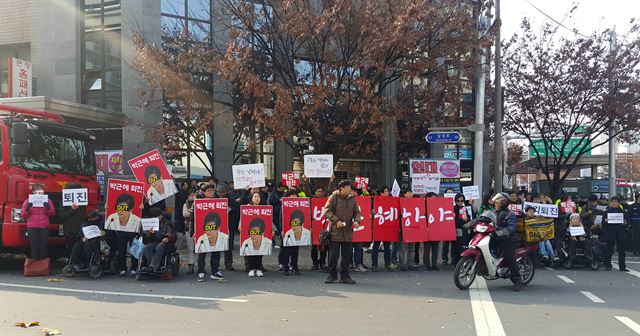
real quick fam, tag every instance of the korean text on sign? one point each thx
(248, 176)
(320, 166)
(74, 196)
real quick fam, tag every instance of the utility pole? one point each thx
(478, 160)
(497, 144)
(612, 138)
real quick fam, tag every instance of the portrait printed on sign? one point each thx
(319, 221)
(296, 221)
(211, 225)
(151, 170)
(124, 205)
(255, 230)
(386, 222)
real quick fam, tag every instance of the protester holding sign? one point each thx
(579, 236)
(83, 249)
(318, 223)
(296, 228)
(386, 245)
(211, 232)
(157, 243)
(343, 213)
(255, 233)
(406, 249)
(38, 223)
(71, 218)
(615, 234)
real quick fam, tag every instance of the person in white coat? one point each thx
(159, 188)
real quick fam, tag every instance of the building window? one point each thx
(21, 51)
(101, 55)
(192, 17)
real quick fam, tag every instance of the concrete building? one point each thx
(82, 53)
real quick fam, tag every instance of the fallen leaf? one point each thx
(34, 323)
(51, 332)
(284, 320)
(20, 324)
(55, 280)
(430, 301)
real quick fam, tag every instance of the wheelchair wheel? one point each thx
(595, 265)
(95, 271)
(568, 264)
(68, 272)
(175, 265)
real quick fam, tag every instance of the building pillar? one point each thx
(143, 16)
(594, 172)
(283, 159)
(389, 152)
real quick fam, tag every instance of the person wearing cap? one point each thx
(159, 188)
(633, 211)
(82, 250)
(123, 219)
(212, 241)
(506, 236)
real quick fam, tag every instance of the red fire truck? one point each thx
(38, 147)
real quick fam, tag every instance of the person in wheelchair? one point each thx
(579, 240)
(82, 251)
(157, 244)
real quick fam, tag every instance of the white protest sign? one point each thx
(38, 201)
(320, 166)
(543, 210)
(426, 183)
(150, 224)
(576, 231)
(91, 231)
(598, 220)
(395, 190)
(75, 196)
(471, 192)
(615, 218)
(248, 176)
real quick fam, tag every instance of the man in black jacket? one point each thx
(634, 217)
(157, 243)
(615, 233)
(506, 236)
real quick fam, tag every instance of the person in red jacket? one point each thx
(37, 217)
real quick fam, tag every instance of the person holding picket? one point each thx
(37, 218)
(319, 252)
(343, 213)
(157, 243)
(430, 254)
(159, 188)
(72, 218)
(297, 233)
(257, 245)
(187, 214)
(407, 250)
(615, 233)
(375, 250)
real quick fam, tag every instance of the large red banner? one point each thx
(441, 219)
(256, 230)
(211, 224)
(386, 222)
(318, 220)
(296, 221)
(124, 205)
(151, 170)
(364, 232)
(414, 220)
(290, 179)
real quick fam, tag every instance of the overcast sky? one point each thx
(590, 16)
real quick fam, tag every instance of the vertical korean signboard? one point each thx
(20, 78)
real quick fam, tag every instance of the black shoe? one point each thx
(608, 268)
(445, 262)
(374, 268)
(190, 271)
(331, 279)
(286, 272)
(624, 269)
(229, 267)
(316, 267)
(295, 272)
(347, 280)
(517, 286)
(435, 268)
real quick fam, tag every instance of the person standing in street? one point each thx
(615, 234)
(72, 217)
(375, 250)
(633, 212)
(319, 252)
(37, 218)
(430, 254)
(407, 250)
(343, 213)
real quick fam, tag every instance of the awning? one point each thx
(80, 115)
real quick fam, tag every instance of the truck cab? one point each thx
(38, 147)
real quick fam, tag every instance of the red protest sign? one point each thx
(567, 207)
(211, 222)
(362, 182)
(151, 170)
(256, 229)
(386, 222)
(414, 220)
(363, 233)
(124, 205)
(318, 220)
(441, 219)
(296, 221)
(291, 179)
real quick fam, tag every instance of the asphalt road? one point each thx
(383, 303)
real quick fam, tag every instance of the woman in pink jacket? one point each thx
(38, 223)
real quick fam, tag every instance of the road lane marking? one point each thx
(160, 296)
(629, 323)
(592, 297)
(565, 279)
(485, 315)
(631, 272)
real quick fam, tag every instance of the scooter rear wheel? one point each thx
(464, 273)
(526, 269)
